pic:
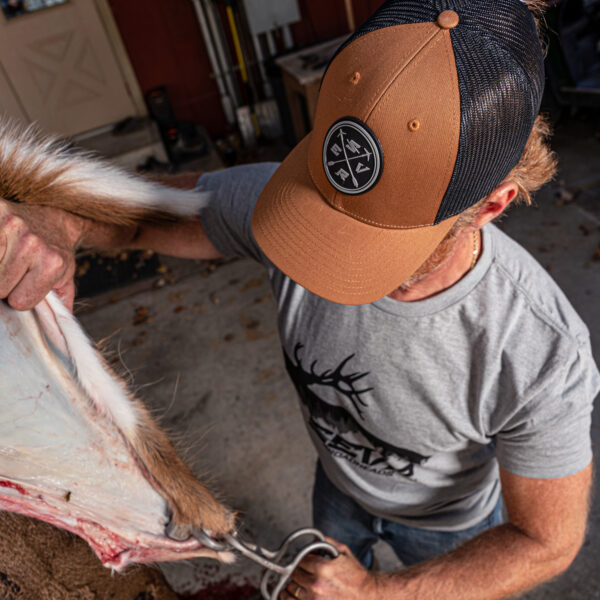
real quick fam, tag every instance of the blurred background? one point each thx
(181, 87)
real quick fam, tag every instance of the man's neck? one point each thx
(450, 272)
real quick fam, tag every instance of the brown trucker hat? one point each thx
(421, 114)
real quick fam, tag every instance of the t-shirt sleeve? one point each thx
(549, 436)
(227, 218)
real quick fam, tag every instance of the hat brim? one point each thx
(327, 252)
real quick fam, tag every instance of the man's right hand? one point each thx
(37, 254)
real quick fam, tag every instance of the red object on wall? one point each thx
(325, 20)
(166, 47)
(363, 9)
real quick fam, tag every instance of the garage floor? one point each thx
(204, 355)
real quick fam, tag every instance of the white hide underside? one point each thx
(53, 443)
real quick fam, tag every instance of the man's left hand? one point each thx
(320, 578)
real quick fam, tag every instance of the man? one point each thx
(436, 362)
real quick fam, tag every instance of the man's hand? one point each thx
(342, 578)
(37, 247)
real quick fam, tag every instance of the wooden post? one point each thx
(350, 15)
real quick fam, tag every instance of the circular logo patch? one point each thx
(352, 157)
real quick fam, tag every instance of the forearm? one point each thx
(497, 564)
(104, 236)
(180, 239)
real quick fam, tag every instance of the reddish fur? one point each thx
(29, 187)
(192, 504)
(43, 171)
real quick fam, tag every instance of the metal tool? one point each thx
(277, 570)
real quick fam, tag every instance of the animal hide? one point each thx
(76, 448)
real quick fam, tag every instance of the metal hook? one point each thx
(273, 561)
(212, 544)
(270, 586)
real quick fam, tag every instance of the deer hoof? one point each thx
(177, 532)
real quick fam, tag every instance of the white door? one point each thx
(9, 103)
(59, 68)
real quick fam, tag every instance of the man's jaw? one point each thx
(441, 256)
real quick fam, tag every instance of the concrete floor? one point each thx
(208, 363)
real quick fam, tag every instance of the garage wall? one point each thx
(325, 19)
(165, 47)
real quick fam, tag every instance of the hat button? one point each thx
(448, 19)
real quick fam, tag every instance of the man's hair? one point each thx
(537, 7)
(537, 166)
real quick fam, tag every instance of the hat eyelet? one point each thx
(355, 78)
(414, 125)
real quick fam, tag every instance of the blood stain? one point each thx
(14, 486)
(225, 590)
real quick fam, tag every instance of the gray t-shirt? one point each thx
(411, 406)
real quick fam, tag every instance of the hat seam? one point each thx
(499, 46)
(431, 40)
(364, 286)
(375, 223)
(378, 95)
(331, 205)
(365, 221)
(457, 124)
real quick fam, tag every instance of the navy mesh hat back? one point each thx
(500, 69)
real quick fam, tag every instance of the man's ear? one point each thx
(496, 203)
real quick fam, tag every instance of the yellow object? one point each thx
(237, 45)
(243, 71)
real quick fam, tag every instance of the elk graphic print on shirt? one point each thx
(340, 431)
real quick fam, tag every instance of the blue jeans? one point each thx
(341, 518)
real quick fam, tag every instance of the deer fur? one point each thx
(40, 170)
